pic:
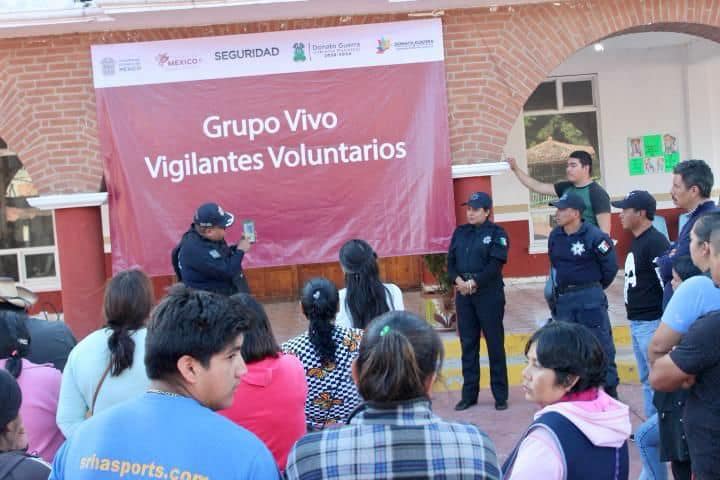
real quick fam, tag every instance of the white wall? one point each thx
(642, 89)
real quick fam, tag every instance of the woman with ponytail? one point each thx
(326, 351)
(39, 384)
(394, 434)
(364, 296)
(107, 367)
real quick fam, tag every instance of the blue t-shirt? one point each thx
(694, 298)
(161, 437)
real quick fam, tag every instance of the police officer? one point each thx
(478, 251)
(585, 263)
(203, 260)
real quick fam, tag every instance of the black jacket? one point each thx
(207, 265)
(478, 252)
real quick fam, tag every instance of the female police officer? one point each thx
(478, 251)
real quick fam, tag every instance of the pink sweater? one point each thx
(270, 402)
(40, 387)
(604, 421)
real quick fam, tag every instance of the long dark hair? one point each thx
(366, 296)
(127, 304)
(398, 354)
(258, 341)
(14, 340)
(319, 300)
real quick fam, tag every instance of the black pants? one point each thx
(681, 470)
(482, 313)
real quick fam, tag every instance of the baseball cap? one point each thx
(479, 200)
(212, 215)
(569, 200)
(639, 200)
(10, 398)
(15, 295)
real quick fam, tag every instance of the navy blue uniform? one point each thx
(479, 252)
(207, 265)
(585, 264)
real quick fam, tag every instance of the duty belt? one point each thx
(577, 287)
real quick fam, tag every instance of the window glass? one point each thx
(578, 93)
(9, 267)
(39, 265)
(550, 139)
(543, 98)
(21, 226)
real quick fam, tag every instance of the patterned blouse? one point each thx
(332, 394)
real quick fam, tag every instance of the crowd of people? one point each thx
(196, 386)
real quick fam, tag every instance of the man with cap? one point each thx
(584, 259)
(478, 251)
(203, 259)
(15, 463)
(52, 341)
(643, 288)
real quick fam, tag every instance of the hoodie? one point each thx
(604, 421)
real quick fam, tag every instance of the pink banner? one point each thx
(314, 158)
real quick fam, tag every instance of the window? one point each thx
(560, 117)
(27, 235)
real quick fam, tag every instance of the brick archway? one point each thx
(496, 60)
(48, 112)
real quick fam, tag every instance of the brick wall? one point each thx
(495, 59)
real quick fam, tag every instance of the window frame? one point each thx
(540, 246)
(40, 284)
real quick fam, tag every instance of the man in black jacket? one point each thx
(478, 251)
(203, 260)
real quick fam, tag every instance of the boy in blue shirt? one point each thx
(194, 363)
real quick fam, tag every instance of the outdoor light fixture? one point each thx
(599, 47)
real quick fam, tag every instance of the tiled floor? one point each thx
(525, 306)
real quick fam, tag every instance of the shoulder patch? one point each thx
(502, 241)
(604, 247)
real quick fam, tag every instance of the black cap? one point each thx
(479, 200)
(10, 398)
(570, 200)
(212, 215)
(639, 200)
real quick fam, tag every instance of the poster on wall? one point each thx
(318, 136)
(652, 154)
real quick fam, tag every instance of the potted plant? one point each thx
(440, 295)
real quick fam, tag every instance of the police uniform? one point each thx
(585, 263)
(478, 252)
(209, 265)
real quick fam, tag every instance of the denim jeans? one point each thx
(642, 332)
(647, 439)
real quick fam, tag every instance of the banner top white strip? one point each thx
(294, 51)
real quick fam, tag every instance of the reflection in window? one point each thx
(27, 237)
(551, 136)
